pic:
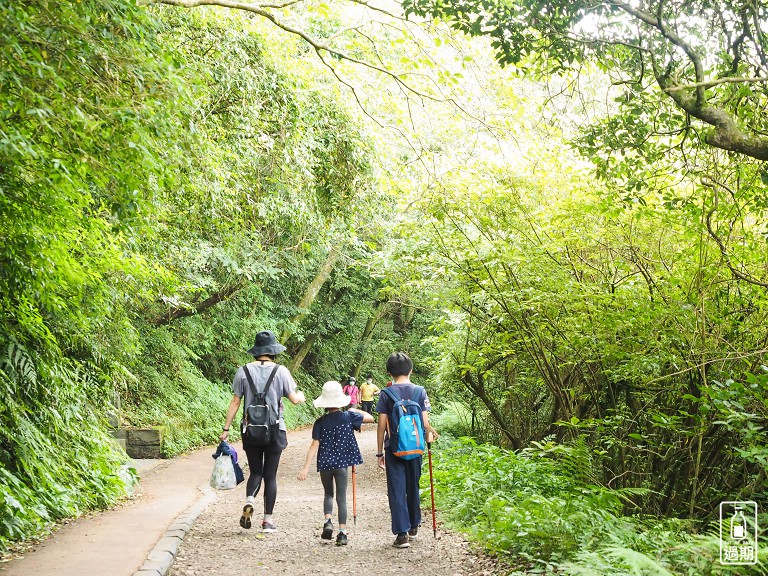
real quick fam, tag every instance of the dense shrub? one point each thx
(539, 511)
(56, 458)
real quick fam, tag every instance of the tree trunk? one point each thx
(312, 291)
(403, 317)
(295, 362)
(378, 313)
(479, 389)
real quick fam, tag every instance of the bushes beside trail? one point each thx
(539, 512)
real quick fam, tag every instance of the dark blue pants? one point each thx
(403, 492)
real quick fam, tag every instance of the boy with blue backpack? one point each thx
(403, 411)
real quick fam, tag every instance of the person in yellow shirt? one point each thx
(367, 391)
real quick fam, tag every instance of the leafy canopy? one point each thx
(709, 60)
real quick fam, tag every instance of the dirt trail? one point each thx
(217, 546)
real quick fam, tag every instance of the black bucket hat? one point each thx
(266, 343)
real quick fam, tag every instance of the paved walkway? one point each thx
(117, 542)
(152, 534)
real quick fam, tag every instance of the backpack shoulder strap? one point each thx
(414, 395)
(251, 384)
(271, 377)
(250, 380)
(391, 393)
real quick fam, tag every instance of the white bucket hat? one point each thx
(332, 396)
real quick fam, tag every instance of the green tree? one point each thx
(708, 62)
(566, 316)
(89, 102)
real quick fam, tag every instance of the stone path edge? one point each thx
(161, 557)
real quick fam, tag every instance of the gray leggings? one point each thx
(341, 476)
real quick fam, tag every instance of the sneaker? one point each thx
(327, 530)
(245, 519)
(268, 527)
(341, 539)
(402, 541)
(413, 533)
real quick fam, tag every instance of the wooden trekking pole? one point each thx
(354, 495)
(432, 488)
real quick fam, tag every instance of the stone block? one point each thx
(143, 452)
(142, 443)
(113, 419)
(145, 436)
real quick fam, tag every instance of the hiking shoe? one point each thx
(402, 541)
(268, 527)
(413, 533)
(341, 539)
(245, 519)
(327, 530)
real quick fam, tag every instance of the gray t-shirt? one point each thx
(282, 385)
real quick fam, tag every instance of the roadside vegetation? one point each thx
(543, 511)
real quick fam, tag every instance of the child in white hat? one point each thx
(334, 442)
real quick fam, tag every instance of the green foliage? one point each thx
(542, 515)
(166, 389)
(88, 107)
(565, 315)
(56, 460)
(532, 507)
(740, 407)
(454, 419)
(300, 415)
(166, 191)
(665, 81)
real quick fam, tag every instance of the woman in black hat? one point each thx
(263, 460)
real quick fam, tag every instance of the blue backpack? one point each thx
(404, 426)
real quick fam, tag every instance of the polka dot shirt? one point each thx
(338, 445)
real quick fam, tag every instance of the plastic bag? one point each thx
(223, 475)
(227, 448)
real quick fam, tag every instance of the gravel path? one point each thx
(217, 546)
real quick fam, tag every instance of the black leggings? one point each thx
(263, 466)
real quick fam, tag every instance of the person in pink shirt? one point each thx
(351, 390)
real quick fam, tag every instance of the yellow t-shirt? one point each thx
(367, 391)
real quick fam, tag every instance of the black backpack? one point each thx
(261, 422)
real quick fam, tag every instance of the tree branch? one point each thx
(722, 247)
(210, 302)
(726, 134)
(711, 83)
(319, 47)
